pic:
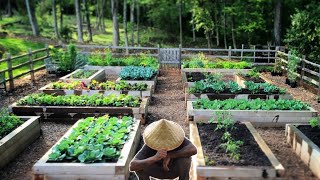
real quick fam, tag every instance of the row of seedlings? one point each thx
(96, 147)
(222, 128)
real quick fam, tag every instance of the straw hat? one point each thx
(163, 134)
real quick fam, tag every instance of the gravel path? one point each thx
(168, 103)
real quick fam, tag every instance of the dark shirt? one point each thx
(147, 152)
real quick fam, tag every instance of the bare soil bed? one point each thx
(197, 76)
(168, 102)
(312, 133)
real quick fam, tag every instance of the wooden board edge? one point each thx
(195, 139)
(267, 151)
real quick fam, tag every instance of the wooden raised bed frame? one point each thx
(222, 71)
(304, 148)
(141, 94)
(240, 80)
(273, 118)
(77, 112)
(111, 171)
(98, 76)
(15, 142)
(201, 171)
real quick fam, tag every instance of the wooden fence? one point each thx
(307, 71)
(30, 62)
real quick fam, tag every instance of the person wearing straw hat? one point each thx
(166, 153)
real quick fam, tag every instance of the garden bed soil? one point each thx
(222, 71)
(141, 94)
(152, 82)
(272, 118)
(109, 170)
(98, 76)
(77, 112)
(211, 161)
(241, 79)
(20, 138)
(307, 149)
(312, 133)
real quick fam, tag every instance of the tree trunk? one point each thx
(114, 10)
(138, 22)
(79, 22)
(232, 33)
(193, 30)
(61, 14)
(100, 15)
(32, 19)
(88, 19)
(209, 41)
(180, 21)
(9, 9)
(55, 22)
(132, 22)
(277, 22)
(224, 26)
(125, 25)
(216, 22)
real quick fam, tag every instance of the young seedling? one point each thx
(314, 122)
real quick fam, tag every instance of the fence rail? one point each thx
(30, 62)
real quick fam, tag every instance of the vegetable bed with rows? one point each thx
(16, 134)
(259, 112)
(106, 88)
(137, 74)
(94, 148)
(85, 76)
(74, 106)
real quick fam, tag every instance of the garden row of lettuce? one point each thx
(94, 140)
(137, 73)
(112, 100)
(255, 104)
(95, 85)
(81, 74)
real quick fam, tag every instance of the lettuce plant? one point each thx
(137, 73)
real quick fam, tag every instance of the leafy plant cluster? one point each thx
(255, 88)
(253, 73)
(94, 140)
(315, 122)
(95, 85)
(83, 74)
(8, 122)
(293, 62)
(277, 68)
(226, 123)
(107, 60)
(112, 100)
(255, 104)
(66, 58)
(137, 73)
(202, 62)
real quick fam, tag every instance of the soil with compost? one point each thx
(312, 133)
(198, 76)
(255, 80)
(250, 152)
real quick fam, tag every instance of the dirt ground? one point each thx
(168, 103)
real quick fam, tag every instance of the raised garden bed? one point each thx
(113, 169)
(256, 159)
(305, 143)
(79, 90)
(20, 138)
(241, 79)
(222, 71)
(109, 70)
(270, 118)
(99, 75)
(79, 108)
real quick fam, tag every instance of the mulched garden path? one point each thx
(168, 103)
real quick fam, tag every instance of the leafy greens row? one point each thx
(137, 73)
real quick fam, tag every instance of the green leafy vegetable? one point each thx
(137, 73)
(83, 74)
(94, 140)
(8, 122)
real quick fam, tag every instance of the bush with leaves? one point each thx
(66, 58)
(8, 122)
(293, 62)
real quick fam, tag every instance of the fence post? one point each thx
(47, 50)
(303, 65)
(242, 47)
(268, 53)
(180, 47)
(319, 83)
(10, 73)
(254, 53)
(31, 65)
(229, 52)
(276, 53)
(158, 52)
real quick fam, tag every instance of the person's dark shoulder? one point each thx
(185, 142)
(145, 152)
